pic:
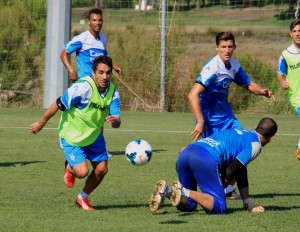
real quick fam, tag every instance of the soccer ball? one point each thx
(138, 152)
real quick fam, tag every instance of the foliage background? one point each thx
(260, 28)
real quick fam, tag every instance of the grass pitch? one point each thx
(34, 197)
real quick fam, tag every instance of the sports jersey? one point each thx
(87, 48)
(227, 145)
(289, 66)
(200, 163)
(81, 123)
(216, 78)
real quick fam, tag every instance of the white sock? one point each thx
(229, 189)
(186, 192)
(299, 144)
(82, 195)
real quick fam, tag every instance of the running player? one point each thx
(288, 71)
(85, 106)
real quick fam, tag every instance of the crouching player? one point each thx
(201, 162)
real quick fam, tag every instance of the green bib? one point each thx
(81, 127)
(293, 76)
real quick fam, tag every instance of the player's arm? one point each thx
(64, 56)
(237, 169)
(38, 126)
(114, 118)
(282, 81)
(257, 90)
(193, 98)
(281, 73)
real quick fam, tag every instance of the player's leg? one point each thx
(97, 154)
(205, 170)
(75, 164)
(186, 178)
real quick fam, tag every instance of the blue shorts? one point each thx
(298, 111)
(230, 124)
(195, 166)
(96, 152)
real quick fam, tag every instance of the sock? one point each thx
(247, 201)
(229, 189)
(186, 192)
(299, 144)
(82, 195)
(168, 192)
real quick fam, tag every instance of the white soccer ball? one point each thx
(138, 152)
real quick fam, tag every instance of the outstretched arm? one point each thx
(257, 90)
(193, 97)
(38, 126)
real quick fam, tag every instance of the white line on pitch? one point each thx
(121, 130)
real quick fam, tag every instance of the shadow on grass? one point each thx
(104, 207)
(19, 163)
(123, 152)
(272, 195)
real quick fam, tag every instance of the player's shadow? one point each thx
(123, 152)
(19, 163)
(104, 207)
(272, 195)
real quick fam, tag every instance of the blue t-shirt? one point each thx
(78, 95)
(87, 48)
(216, 78)
(226, 145)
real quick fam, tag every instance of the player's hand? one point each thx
(114, 121)
(36, 127)
(268, 93)
(284, 84)
(73, 76)
(250, 207)
(118, 70)
(197, 132)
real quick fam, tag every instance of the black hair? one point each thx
(97, 11)
(102, 60)
(267, 127)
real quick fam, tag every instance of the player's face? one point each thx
(102, 76)
(95, 23)
(295, 34)
(225, 50)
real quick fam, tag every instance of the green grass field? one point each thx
(34, 197)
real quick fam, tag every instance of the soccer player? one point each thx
(85, 106)
(201, 163)
(208, 97)
(87, 45)
(288, 71)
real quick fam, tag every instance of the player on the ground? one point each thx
(288, 72)
(208, 97)
(201, 163)
(85, 106)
